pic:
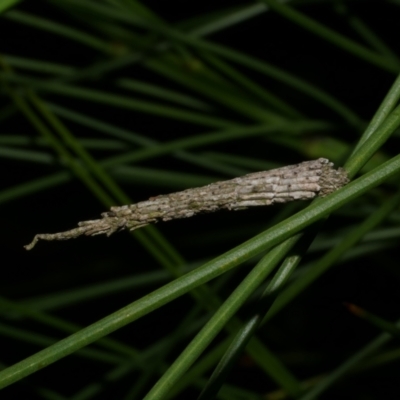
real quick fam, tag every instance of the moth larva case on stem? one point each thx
(302, 181)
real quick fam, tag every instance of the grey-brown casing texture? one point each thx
(302, 181)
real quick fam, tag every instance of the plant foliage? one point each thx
(109, 102)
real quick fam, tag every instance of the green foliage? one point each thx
(127, 102)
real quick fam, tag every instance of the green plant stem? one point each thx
(380, 323)
(160, 243)
(388, 104)
(369, 147)
(348, 365)
(57, 28)
(247, 331)
(326, 261)
(219, 319)
(341, 41)
(86, 178)
(210, 270)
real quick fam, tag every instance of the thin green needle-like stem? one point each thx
(328, 34)
(380, 323)
(64, 155)
(106, 180)
(57, 28)
(83, 174)
(150, 360)
(219, 319)
(375, 141)
(386, 107)
(262, 67)
(184, 284)
(250, 326)
(237, 346)
(126, 34)
(221, 371)
(368, 34)
(6, 4)
(328, 260)
(63, 326)
(252, 87)
(269, 70)
(230, 134)
(35, 338)
(79, 150)
(372, 144)
(348, 365)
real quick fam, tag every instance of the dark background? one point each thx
(61, 266)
